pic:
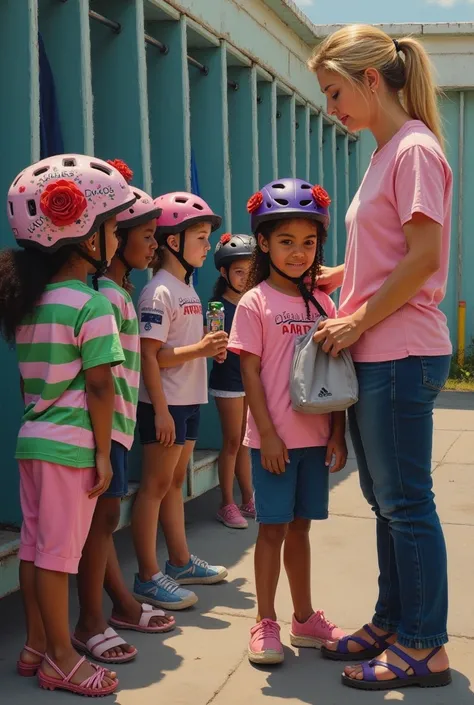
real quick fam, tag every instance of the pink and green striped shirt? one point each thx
(126, 376)
(72, 329)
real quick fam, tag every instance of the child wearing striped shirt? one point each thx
(99, 566)
(62, 211)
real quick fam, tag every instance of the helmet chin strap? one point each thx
(299, 281)
(99, 264)
(229, 284)
(188, 268)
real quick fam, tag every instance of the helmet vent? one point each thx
(282, 201)
(69, 162)
(305, 202)
(32, 207)
(41, 170)
(232, 244)
(306, 186)
(101, 167)
(198, 206)
(10, 204)
(180, 199)
(131, 211)
(282, 186)
(17, 179)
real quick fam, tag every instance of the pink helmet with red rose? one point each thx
(64, 199)
(144, 208)
(181, 210)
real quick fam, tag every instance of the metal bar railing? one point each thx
(164, 49)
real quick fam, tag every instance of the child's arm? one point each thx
(337, 447)
(164, 423)
(100, 402)
(212, 345)
(273, 451)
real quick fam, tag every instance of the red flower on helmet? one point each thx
(123, 168)
(321, 196)
(22, 189)
(254, 202)
(62, 202)
(226, 237)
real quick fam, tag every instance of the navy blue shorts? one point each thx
(302, 491)
(119, 459)
(186, 422)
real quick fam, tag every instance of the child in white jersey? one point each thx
(172, 389)
(62, 211)
(290, 451)
(99, 565)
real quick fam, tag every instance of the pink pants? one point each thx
(57, 514)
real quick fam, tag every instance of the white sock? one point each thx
(157, 576)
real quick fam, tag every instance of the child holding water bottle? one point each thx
(232, 260)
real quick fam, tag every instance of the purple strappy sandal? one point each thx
(369, 651)
(421, 676)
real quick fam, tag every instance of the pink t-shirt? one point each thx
(408, 175)
(267, 323)
(170, 311)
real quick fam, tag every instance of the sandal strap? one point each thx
(343, 644)
(147, 615)
(94, 682)
(32, 651)
(396, 670)
(380, 640)
(419, 668)
(100, 643)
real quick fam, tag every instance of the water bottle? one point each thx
(215, 316)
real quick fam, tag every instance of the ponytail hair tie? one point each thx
(397, 45)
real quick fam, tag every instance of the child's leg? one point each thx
(297, 559)
(125, 606)
(90, 580)
(159, 464)
(35, 634)
(172, 510)
(243, 468)
(267, 567)
(230, 413)
(64, 518)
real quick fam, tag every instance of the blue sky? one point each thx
(374, 11)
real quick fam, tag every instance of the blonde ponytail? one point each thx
(405, 67)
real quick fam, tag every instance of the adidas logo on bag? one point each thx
(324, 393)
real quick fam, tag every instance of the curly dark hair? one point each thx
(260, 262)
(24, 275)
(220, 287)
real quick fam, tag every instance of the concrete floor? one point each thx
(204, 661)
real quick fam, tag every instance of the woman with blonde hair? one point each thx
(393, 280)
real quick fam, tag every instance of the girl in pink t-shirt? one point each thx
(291, 452)
(394, 278)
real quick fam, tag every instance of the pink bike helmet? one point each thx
(64, 199)
(181, 210)
(143, 210)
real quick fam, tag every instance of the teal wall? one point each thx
(120, 97)
(460, 282)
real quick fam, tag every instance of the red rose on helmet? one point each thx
(226, 237)
(254, 202)
(321, 196)
(62, 202)
(123, 168)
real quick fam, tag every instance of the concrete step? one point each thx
(202, 476)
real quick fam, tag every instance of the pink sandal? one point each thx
(144, 624)
(100, 643)
(27, 670)
(90, 687)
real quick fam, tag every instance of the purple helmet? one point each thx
(289, 198)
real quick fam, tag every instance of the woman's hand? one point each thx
(335, 334)
(330, 278)
(274, 453)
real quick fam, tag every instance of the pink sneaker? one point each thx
(265, 644)
(248, 510)
(315, 632)
(230, 516)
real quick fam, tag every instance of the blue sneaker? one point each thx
(163, 592)
(196, 572)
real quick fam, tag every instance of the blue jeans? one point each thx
(392, 431)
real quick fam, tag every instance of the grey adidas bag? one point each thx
(320, 383)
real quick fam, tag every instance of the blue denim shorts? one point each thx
(119, 460)
(302, 491)
(186, 422)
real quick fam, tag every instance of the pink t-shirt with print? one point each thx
(408, 175)
(170, 311)
(267, 323)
